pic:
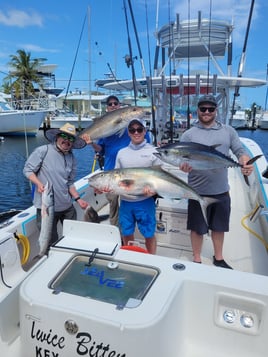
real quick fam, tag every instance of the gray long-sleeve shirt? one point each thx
(51, 165)
(212, 182)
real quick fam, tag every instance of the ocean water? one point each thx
(15, 191)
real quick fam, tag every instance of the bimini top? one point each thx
(195, 38)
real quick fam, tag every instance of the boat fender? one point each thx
(24, 241)
(134, 248)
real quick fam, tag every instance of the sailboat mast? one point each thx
(89, 63)
(242, 60)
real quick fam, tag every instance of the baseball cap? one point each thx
(136, 121)
(207, 99)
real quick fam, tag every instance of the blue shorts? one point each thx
(218, 215)
(142, 213)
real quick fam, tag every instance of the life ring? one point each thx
(26, 248)
(134, 248)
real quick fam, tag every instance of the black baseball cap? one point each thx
(207, 99)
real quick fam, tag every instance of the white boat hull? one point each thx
(263, 121)
(21, 122)
(58, 122)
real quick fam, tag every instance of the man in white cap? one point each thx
(56, 164)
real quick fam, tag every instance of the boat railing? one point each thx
(30, 104)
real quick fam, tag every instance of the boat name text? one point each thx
(85, 345)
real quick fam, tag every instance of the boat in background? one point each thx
(240, 120)
(78, 108)
(59, 117)
(263, 121)
(23, 119)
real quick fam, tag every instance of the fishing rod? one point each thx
(266, 97)
(242, 61)
(131, 62)
(149, 82)
(137, 38)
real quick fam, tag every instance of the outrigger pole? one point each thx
(131, 57)
(137, 39)
(242, 61)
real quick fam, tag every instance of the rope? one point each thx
(68, 86)
(24, 241)
(251, 230)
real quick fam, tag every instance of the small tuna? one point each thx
(198, 156)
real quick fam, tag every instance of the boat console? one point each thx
(91, 298)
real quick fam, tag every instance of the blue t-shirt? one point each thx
(112, 144)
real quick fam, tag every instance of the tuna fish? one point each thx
(198, 156)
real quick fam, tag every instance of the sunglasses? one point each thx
(113, 103)
(133, 130)
(209, 109)
(67, 137)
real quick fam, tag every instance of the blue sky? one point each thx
(51, 29)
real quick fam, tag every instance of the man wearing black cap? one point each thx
(208, 131)
(55, 163)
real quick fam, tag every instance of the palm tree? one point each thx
(24, 74)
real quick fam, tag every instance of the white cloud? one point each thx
(18, 18)
(36, 48)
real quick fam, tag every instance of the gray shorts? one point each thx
(218, 215)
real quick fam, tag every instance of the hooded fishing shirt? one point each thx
(214, 181)
(140, 155)
(51, 165)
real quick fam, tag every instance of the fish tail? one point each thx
(91, 215)
(250, 162)
(204, 203)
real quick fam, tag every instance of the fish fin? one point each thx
(215, 146)
(126, 183)
(121, 132)
(253, 159)
(246, 180)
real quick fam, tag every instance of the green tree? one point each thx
(23, 74)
